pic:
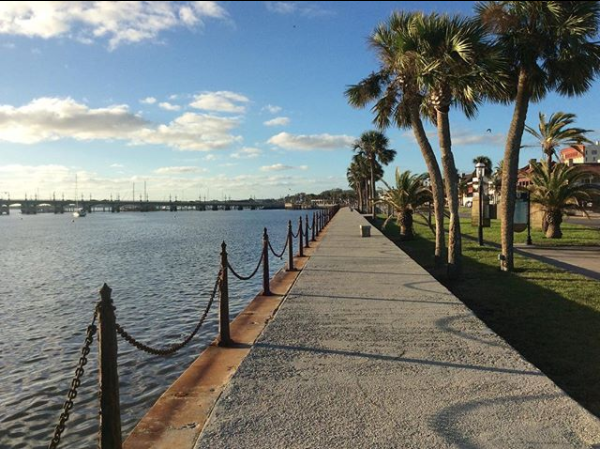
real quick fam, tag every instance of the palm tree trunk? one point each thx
(405, 219)
(359, 197)
(510, 170)
(435, 181)
(554, 220)
(454, 267)
(373, 187)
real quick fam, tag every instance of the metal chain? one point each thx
(246, 278)
(297, 232)
(176, 347)
(75, 383)
(280, 254)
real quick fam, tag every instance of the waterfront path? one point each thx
(369, 351)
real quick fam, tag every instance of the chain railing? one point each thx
(108, 329)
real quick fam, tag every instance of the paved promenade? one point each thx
(369, 351)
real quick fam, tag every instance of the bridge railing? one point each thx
(108, 329)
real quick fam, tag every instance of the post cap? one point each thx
(105, 291)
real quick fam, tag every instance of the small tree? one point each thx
(555, 132)
(556, 190)
(404, 198)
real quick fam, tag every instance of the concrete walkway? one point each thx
(369, 351)
(577, 259)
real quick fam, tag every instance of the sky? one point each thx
(208, 99)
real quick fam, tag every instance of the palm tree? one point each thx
(404, 198)
(456, 66)
(556, 190)
(486, 161)
(554, 133)
(399, 101)
(551, 46)
(373, 145)
(358, 175)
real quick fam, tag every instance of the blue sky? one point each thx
(232, 99)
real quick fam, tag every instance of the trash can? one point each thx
(365, 230)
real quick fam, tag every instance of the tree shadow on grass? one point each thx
(557, 335)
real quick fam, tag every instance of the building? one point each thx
(580, 154)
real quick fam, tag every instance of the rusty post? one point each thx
(300, 236)
(224, 301)
(266, 290)
(290, 247)
(306, 230)
(108, 377)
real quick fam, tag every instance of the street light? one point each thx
(480, 168)
(529, 237)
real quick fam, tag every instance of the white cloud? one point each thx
(247, 153)
(306, 9)
(118, 22)
(272, 109)
(210, 157)
(148, 100)
(116, 166)
(48, 119)
(278, 121)
(179, 170)
(311, 142)
(220, 101)
(282, 167)
(192, 132)
(9, 46)
(169, 107)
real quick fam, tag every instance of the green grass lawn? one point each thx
(550, 316)
(573, 234)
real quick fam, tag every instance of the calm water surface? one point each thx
(161, 267)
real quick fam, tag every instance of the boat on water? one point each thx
(79, 211)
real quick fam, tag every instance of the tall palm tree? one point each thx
(398, 101)
(556, 190)
(551, 46)
(456, 66)
(358, 175)
(404, 198)
(373, 145)
(555, 132)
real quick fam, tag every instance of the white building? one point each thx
(580, 154)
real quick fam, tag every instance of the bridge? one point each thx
(60, 206)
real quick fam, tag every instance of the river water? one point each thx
(161, 266)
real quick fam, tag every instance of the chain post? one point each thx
(266, 289)
(300, 236)
(306, 230)
(290, 247)
(313, 228)
(108, 377)
(224, 301)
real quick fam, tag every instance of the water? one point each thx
(161, 267)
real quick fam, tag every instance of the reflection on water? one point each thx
(161, 267)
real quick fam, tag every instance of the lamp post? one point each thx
(528, 237)
(480, 167)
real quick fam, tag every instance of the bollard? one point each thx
(313, 228)
(300, 236)
(224, 301)
(266, 290)
(306, 230)
(108, 378)
(290, 247)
